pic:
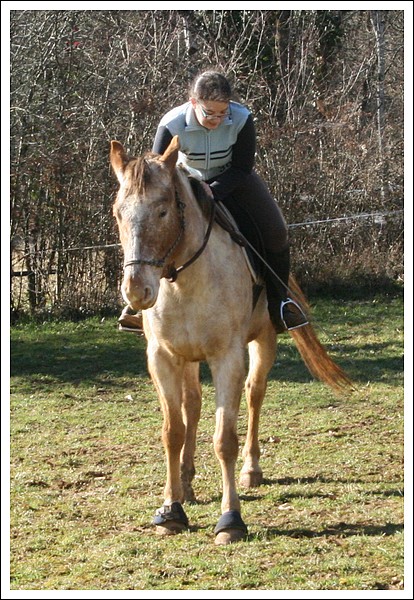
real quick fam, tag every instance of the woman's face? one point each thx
(210, 113)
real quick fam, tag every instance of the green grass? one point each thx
(87, 465)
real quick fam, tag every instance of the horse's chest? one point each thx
(196, 338)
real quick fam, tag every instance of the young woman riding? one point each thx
(217, 146)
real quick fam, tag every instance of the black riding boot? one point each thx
(130, 320)
(285, 313)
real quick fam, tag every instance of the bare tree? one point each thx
(325, 88)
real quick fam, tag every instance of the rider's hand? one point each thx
(207, 190)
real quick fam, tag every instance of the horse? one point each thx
(203, 310)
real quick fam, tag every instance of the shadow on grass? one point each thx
(72, 358)
(286, 497)
(320, 480)
(89, 352)
(340, 530)
(64, 360)
(301, 494)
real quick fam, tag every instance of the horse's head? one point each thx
(149, 218)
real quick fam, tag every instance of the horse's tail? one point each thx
(313, 353)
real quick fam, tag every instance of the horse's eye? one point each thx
(163, 213)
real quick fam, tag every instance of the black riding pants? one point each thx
(254, 199)
(252, 202)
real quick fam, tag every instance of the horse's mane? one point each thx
(203, 201)
(139, 172)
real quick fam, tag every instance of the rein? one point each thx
(172, 272)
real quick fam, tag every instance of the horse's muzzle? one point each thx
(138, 294)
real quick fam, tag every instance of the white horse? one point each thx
(193, 284)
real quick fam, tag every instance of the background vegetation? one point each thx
(326, 89)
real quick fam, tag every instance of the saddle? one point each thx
(225, 219)
(250, 240)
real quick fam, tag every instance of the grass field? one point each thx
(87, 465)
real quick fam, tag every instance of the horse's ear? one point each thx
(119, 159)
(171, 154)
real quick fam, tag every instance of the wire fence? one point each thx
(379, 218)
(87, 279)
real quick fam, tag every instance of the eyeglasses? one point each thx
(210, 117)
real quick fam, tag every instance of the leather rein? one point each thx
(172, 272)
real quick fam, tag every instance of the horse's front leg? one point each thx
(191, 409)
(167, 374)
(228, 376)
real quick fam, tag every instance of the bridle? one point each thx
(171, 272)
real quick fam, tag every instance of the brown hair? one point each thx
(211, 85)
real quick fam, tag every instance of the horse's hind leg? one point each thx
(191, 409)
(262, 352)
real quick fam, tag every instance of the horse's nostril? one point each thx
(148, 293)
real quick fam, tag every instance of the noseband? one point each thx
(171, 272)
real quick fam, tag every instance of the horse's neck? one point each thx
(218, 264)
(195, 227)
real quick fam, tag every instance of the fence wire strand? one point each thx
(376, 215)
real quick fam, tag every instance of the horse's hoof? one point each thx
(230, 528)
(170, 528)
(229, 536)
(170, 519)
(251, 479)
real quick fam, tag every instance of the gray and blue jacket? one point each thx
(223, 157)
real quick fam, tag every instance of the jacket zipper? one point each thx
(208, 145)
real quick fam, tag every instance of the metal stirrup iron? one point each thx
(282, 306)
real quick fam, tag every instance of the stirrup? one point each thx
(129, 329)
(300, 314)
